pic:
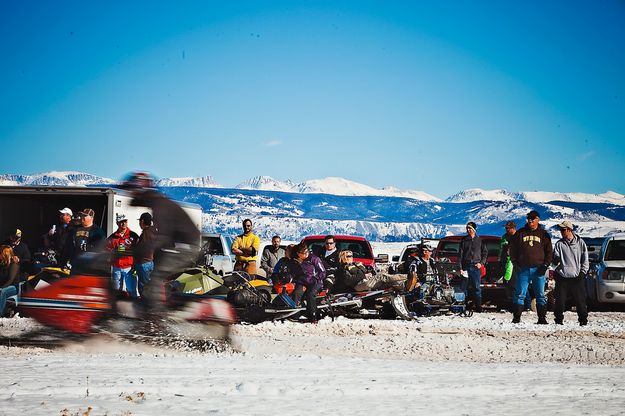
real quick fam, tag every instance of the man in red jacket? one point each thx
(121, 243)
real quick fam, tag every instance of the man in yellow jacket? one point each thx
(245, 247)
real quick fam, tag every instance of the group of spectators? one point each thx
(526, 256)
(131, 255)
(168, 242)
(329, 269)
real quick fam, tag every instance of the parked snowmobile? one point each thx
(434, 297)
(86, 303)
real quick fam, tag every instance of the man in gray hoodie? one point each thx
(570, 256)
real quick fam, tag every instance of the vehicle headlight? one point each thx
(614, 275)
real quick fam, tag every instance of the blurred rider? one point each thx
(175, 246)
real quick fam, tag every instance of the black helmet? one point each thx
(138, 180)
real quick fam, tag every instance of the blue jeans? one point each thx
(5, 293)
(130, 281)
(143, 273)
(473, 281)
(524, 276)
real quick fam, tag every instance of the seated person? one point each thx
(9, 270)
(348, 275)
(354, 277)
(281, 269)
(421, 271)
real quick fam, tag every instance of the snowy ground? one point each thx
(439, 365)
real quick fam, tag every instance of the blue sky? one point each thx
(424, 95)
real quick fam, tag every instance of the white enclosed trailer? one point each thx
(34, 209)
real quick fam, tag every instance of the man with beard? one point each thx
(531, 253)
(87, 236)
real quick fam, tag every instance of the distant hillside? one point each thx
(341, 206)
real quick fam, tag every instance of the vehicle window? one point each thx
(317, 247)
(408, 252)
(615, 250)
(449, 247)
(493, 247)
(359, 248)
(212, 245)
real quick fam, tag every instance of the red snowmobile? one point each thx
(84, 304)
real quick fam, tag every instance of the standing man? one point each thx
(570, 256)
(531, 253)
(246, 247)
(121, 244)
(57, 238)
(144, 251)
(472, 257)
(87, 236)
(505, 264)
(271, 255)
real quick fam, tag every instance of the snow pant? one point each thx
(525, 276)
(310, 295)
(144, 270)
(576, 287)
(472, 284)
(381, 281)
(5, 293)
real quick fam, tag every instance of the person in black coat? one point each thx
(350, 276)
(421, 271)
(472, 257)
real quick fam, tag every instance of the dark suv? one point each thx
(493, 291)
(357, 245)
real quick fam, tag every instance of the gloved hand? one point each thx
(542, 270)
(581, 275)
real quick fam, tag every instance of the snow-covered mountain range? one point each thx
(54, 179)
(340, 206)
(476, 194)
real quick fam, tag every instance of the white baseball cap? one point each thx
(66, 211)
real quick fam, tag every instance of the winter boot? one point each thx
(542, 314)
(478, 305)
(517, 310)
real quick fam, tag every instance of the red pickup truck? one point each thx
(357, 245)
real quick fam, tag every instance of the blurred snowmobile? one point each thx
(85, 303)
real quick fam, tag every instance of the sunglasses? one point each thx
(329, 243)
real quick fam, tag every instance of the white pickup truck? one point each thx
(216, 252)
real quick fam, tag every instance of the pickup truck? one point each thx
(357, 245)
(216, 253)
(399, 263)
(493, 289)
